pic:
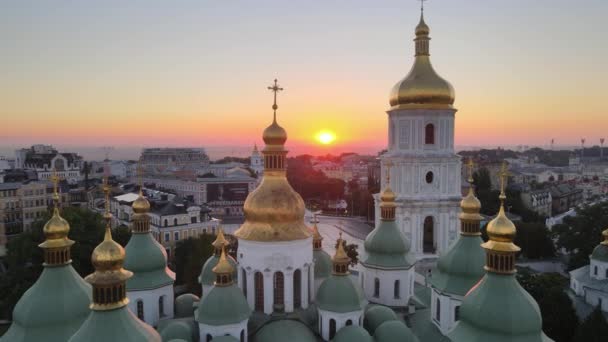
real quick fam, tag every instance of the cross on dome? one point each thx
(275, 89)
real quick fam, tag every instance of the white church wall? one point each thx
(150, 299)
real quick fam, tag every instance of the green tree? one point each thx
(534, 239)
(580, 234)
(121, 234)
(189, 258)
(593, 329)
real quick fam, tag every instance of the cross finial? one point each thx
(504, 174)
(55, 179)
(140, 176)
(275, 89)
(470, 167)
(389, 164)
(422, 5)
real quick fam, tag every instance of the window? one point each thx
(376, 287)
(429, 134)
(176, 236)
(193, 219)
(457, 314)
(349, 322)
(167, 237)
(175, 221)
(297, 289)
(595, 270)
(166, 223)
(244, 277)
(161, 306)
(429, 177)
(396, 289)
(332, 328)
(140, 309)
(438, 310)
(259, 291)
(607, 273)
(243, 335)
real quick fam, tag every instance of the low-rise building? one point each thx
(539, 201)
(45, 158)
(565, 196)
(591, 281)
(159, 160)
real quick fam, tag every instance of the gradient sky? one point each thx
(195, 72)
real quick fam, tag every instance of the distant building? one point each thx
(159, 160)
(539, 201)
(565, 196)
(45, 158)
(591, 281)
(256, 162)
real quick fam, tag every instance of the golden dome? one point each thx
(141, 204)
(422, 87)
(501, 232)
(388, 196)
(470, 204)
(223, 266)
(316, 236)
(274, 134)
(340, 257)
(220, 240)
(605, 234)
(56, 232)
(108, 255)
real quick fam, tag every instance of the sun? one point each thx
(326, 137)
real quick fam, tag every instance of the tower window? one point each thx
(397, 290)
(376, 287)
(595, 270)
(161, 306)
(429, 134)
(140, 309)
(457, 314)
(429, 177)
(438, 310)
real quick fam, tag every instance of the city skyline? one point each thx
(195, 74)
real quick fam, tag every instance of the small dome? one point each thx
(222, 306)
(274, 134)
(339, 293)
(501, 229)
(470, 204)
(176, 330)
(387, 246)
(376, 315)
(207, 277)
(422, 29)
(225, 338)
(600, 253)
(108, 255)
(285, 330)
(56, 232)
(141, 205)
(223, 266)
(388, 195)
(461, 267)
(184, 305)
(394, 331)
(353, 333)
(323, 264)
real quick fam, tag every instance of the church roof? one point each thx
(600, 253)
(147, 259)
(323, 263)
(207, 277)
(339, 293)
(375, 315)
(387, 247)
(352, 333)
(115, 325)
(583, 276)
(394, 331)
(285, 330)
(223, 305)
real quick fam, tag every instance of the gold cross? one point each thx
(422, 5)
(470, 166)
(275, 89)
(504, 174)
(140, 175)
(55, 179)
(389, 164)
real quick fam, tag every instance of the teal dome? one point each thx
(600, 253)
(225, 339)
(184, 305)
(44, 315)
(461, 267)
(114, 325)
(323, 263)
(207, 277)
(386, 246)
(352, 333)
(147, 259)
(285, 330)
(176, 330)
(338, 293)
(223, 305)
(376, 315)
(394, 331)
(177, 340)
(498, 309)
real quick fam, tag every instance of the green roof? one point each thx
(600, 253)
(52, 309)
(376, 315)
(223, 305)
(323, 263)
(285, 330)
(147, 259)
(176, 330)
(498, 309)
(352, 333)
(207, 277)
(115, 325)
(461, 267)
(339, 293)
(394, 331)
(225, 339)
(184, 305)
(387, 247)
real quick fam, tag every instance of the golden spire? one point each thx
(340, 259)
(141, 204)
(317, 239)
(220, 241)
(275, 135)
(57, 245)
(223, 270)
(387, 198)
(501, 232)
(605, 234)
(470, 218)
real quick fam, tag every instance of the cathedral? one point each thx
(282, 286)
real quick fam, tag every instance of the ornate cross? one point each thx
(504, 174)
(389, 164)
(470, 167)
(422, 5)
(55, 179)
(275, 89)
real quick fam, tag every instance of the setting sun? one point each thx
(326, 137)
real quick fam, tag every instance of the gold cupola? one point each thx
(605, 235)
(500, 249)
(470, 219)
(109, 278)
(274, 211)
(220, 242)
(387, 198)
(223, 270)
(341, 260)
(317, 239)
(56, 245)
(422, 87)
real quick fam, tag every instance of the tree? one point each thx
(534, 239)
(121, 234)
(189, 258)
(593, 329)
(351, 251)
(559, 317)
(580, 234)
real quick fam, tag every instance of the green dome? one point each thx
(285, 330)
(600, 253)
(223, 305)
(339, 294)
(323, 263)
(498, 309)
(352, 333)
(184, 305)
(386, 246)
(147, 259)
(115, 325)
(225, 339)
(461, 267)
(177, 340)
(207, 277)
(376, 315)
(176, 330)
(45, 315)
(394, 331)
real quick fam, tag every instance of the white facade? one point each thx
(340, 320)
(261, 266)
(256, 162)
(148, 304)
(591, 283)
(238, 330)
(444, 310)
(387, 287)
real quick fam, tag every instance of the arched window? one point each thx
(259, 291)
(429, 134)
(349, 322)
(376, 287)
(438, 310)
(243, 335)
(279, 289)
(244, 277)
(332, 328)
(607, 273)
(161, 306)
(429, 177)
(140, 309)
(175, 221)
(595, 270)
(396, 289)
(457, 314)
(166, 223)
(209, 337)
(297, 289)
(428, 240)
